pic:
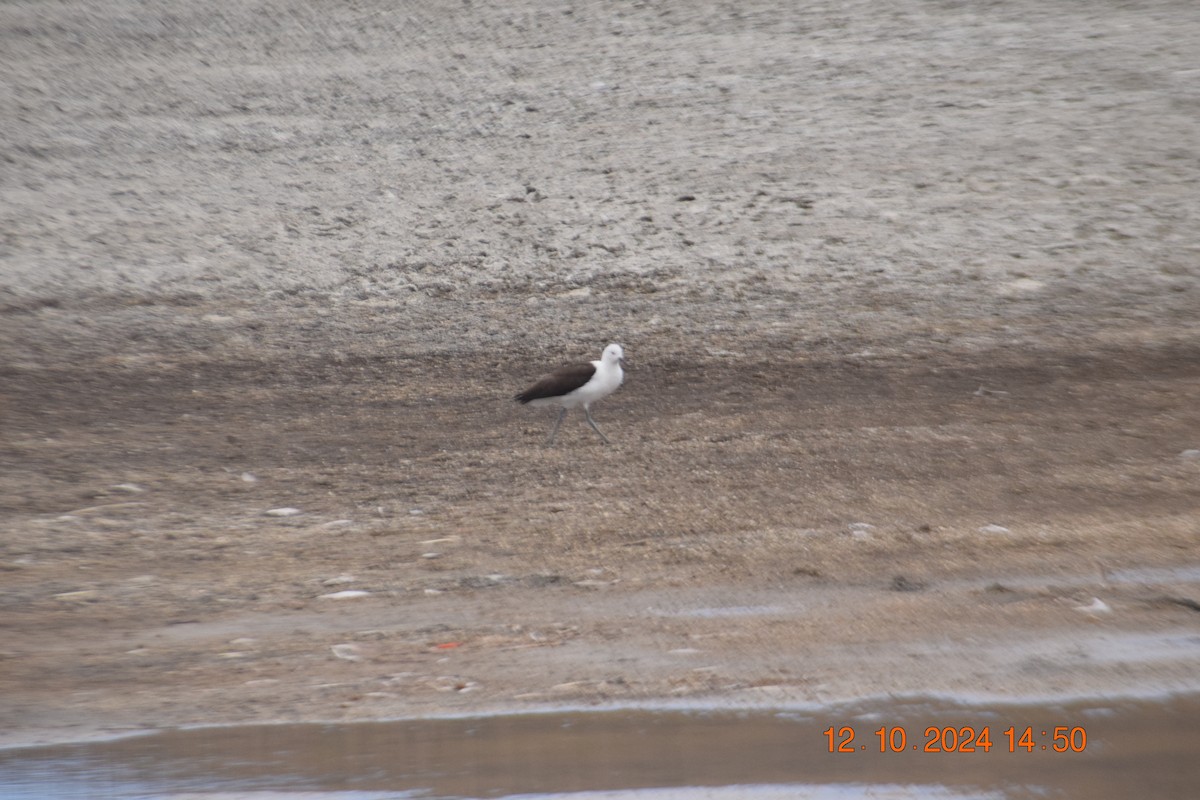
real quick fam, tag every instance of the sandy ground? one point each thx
(911, 297)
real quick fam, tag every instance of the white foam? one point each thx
(773, 792)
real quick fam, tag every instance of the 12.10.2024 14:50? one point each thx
(964, 739)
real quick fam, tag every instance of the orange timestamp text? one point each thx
(964, 739)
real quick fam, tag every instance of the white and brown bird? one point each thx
(578, 385)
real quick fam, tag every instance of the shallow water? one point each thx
(1132, 749)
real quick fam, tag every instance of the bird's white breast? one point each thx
(607, 380)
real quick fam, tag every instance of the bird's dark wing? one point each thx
(557, 383)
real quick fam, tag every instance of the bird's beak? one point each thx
(623, 362)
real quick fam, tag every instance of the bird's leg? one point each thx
(592, 422)
(557, 422)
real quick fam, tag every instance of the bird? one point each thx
(578, 385)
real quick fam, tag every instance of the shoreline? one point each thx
(707, 706)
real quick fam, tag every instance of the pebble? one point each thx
(1097, 606)
(861, 530)
(1190, 454)
(283, 512)
(482, 581)
(347, 594)
(900, 583)
(1023, 286)
(452, 683)
(82, 596)
(993, 529)
(374, 634)
(131, 488)
(567, 687)
(218, 319)
(249, 477)
(984, 392)
(347, 652)
(340, 579)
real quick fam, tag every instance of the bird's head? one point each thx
(613, 354)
